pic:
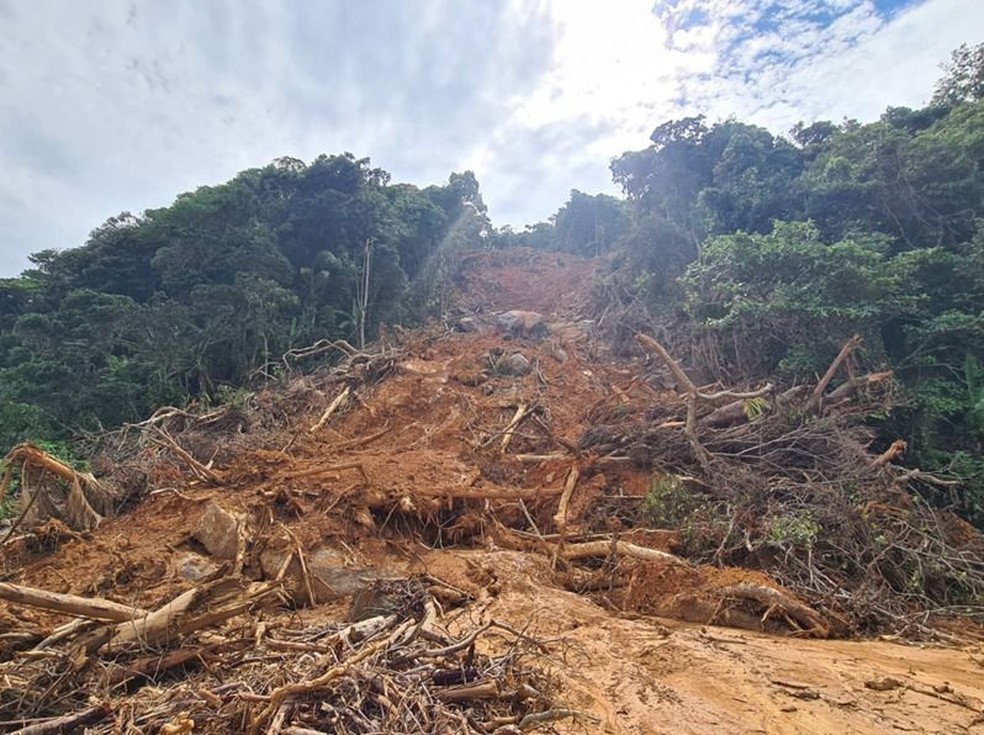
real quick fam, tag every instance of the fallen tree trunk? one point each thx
(87, 501)
(607, 547)
(339, 401)
(774, 600)
(83, 607)
(693, 396)
(68, 723)
(813, 405)
(560, 517)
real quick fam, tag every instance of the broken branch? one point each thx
(83, 607)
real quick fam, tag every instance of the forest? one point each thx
(758, 254)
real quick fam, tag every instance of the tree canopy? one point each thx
(768, 249)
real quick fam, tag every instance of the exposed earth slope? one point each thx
(454, 457)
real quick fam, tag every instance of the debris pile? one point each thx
(394, 542)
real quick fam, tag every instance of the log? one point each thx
(604, 548)
(775, 600)
(485, 690)
(729, 414)
(897, 447)
(153, 626)
(521, 411)
(68, 723)
(560, 517)
(655, 348)
(339, 401)
(844, 391)
(852, 344)
(93, 608)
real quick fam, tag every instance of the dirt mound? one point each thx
(455, 532)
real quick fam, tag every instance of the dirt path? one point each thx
(643, 676)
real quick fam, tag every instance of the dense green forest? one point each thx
(769, 250)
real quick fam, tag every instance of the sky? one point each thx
(111, 105)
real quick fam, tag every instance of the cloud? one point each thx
(107, 106)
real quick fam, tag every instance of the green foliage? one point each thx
(589, 225)
(786, 249)
(799, 529)
(181, 301)
(755, 408)
(668, 503)
(964, 77)
(781, 296)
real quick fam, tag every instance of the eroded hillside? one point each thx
(467, 528)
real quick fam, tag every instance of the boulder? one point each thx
(195, 567)
(522, 323)
(332, 573)
(466, 324)
(218, 532)
(515, 364)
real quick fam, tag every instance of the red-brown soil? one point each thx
(410, 478)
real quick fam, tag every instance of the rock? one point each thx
(332, 573)
(388, 597)
(514, 364)
(571, 331)
(467, 324)
(522, 323)
(195, 567)
(218, 532)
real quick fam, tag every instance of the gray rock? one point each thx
(467, 324)
(514, 364)
(218, 532)
(522, 323)
(195, 567)
(332, 573)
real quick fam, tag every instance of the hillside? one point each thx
(468, 528)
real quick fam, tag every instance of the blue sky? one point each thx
(109, 105)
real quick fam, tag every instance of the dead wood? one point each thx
(729, 414)
(322, 469)
(362, 440)
(816, 396)
(522, 411)
(336, 404)
(151, 627)
(192, 610)
(85, 607)
(846, 390)
(897, 448)
(610, 546)
(281, 694)
(87, 500)
(320, 347)
(560, 517)
(693, 396)
(68, 723)
(201, 471)
(809, 619)
(655, 348)
(485, 690)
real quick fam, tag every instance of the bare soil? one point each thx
(410, 478)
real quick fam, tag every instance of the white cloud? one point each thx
(106, 106)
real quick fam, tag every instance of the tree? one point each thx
(786, 300)
(590, 225)
(963, 80)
